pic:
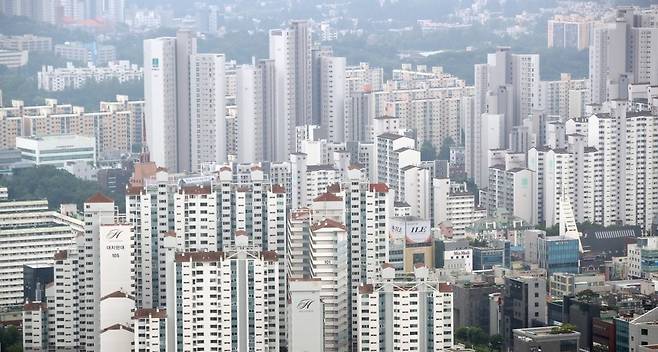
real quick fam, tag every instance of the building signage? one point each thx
(411, 231)
(116, 255)
(305, 305)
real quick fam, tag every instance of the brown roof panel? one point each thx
(99, 198)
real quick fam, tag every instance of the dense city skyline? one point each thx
(291, 197)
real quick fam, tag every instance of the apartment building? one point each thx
(208, 110)
(115, 130)
(31, 234)
(26, 42)
(405, 314)
(394, 153)
(70, 77)
(569, 32)
(454, 204)
(226, 300)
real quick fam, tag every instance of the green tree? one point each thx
(563, 329)
(472, 336)
(473, 188)
(11, 339)
(496, 342)
(444, 152)
(55, 185)
(427, 151)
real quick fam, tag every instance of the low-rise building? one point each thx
(86, 52)
(643, 257)
(57, 150)
(550, 338)
(472, 304)
(13, 58)
(636, 330)
(495, 253)
(27, 42)
(70, 77)
(558, 254)
(569, 284)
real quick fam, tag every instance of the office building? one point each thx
(523, 306)
(635, 331)
(455, 255)
(57, 150)
(570, 284)
(35, 279)
(471, 304)
(643, 257)
(558, 254)
(495, 253)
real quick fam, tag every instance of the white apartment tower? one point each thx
(453, 203)
(329, 263)
(160, 101)
(508, 85)
(332, 78)
(405, 314)
(226, 300)
(92, 298)
(290, 48)
(150, 328)
(108, 296)
(150, 209)
(624, 50)
(207, 110)
(167, 99)
(249, 101)
(393, 154)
